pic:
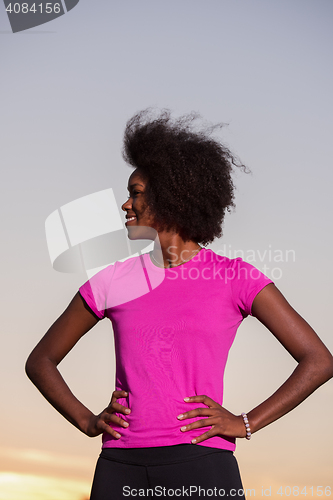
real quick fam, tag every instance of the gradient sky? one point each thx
(67, 89)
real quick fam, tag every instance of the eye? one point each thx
(133, 194)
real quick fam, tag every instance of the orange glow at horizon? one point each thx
(14, 486)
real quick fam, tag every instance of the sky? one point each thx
(262, 67)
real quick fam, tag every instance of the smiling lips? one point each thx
(130, 219)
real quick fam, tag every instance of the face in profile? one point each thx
(139, 220)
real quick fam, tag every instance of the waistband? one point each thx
(161, 455)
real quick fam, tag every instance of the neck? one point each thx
(170, 250)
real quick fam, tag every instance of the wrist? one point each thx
(247, 426)
(85, 423)
(242, 427)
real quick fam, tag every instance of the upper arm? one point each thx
(291, 330)
(74, 322)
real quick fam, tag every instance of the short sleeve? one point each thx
(94, 289)
(246, 281)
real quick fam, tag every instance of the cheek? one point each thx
(143, 209)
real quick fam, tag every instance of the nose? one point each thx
(127, 205)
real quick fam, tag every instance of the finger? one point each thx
(202, 399)
(118, 394)
(110, 417)
(118, 408)
(197, 412)
(203, 437)
(205, 422)
(106, 428)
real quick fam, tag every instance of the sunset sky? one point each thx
(67, 89)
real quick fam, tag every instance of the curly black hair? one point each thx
(188, 173)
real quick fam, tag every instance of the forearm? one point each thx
(307, 377)
(46, 377)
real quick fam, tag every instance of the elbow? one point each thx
(38, 366)
(33, 366)
(322, 367)
(326, 362)
(29, 367)
(329, 367)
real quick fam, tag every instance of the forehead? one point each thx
(135, 179)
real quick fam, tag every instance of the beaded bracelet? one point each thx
(247, 425)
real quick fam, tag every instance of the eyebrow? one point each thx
(132, 185)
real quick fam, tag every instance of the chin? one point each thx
(141, 233)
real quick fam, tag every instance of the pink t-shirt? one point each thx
(173, 329)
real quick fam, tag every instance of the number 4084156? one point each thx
(24, 8)
(295, 491)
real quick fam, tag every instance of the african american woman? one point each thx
(175, 311)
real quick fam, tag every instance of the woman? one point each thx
(175, 313)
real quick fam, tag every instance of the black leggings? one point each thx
(180, 471)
